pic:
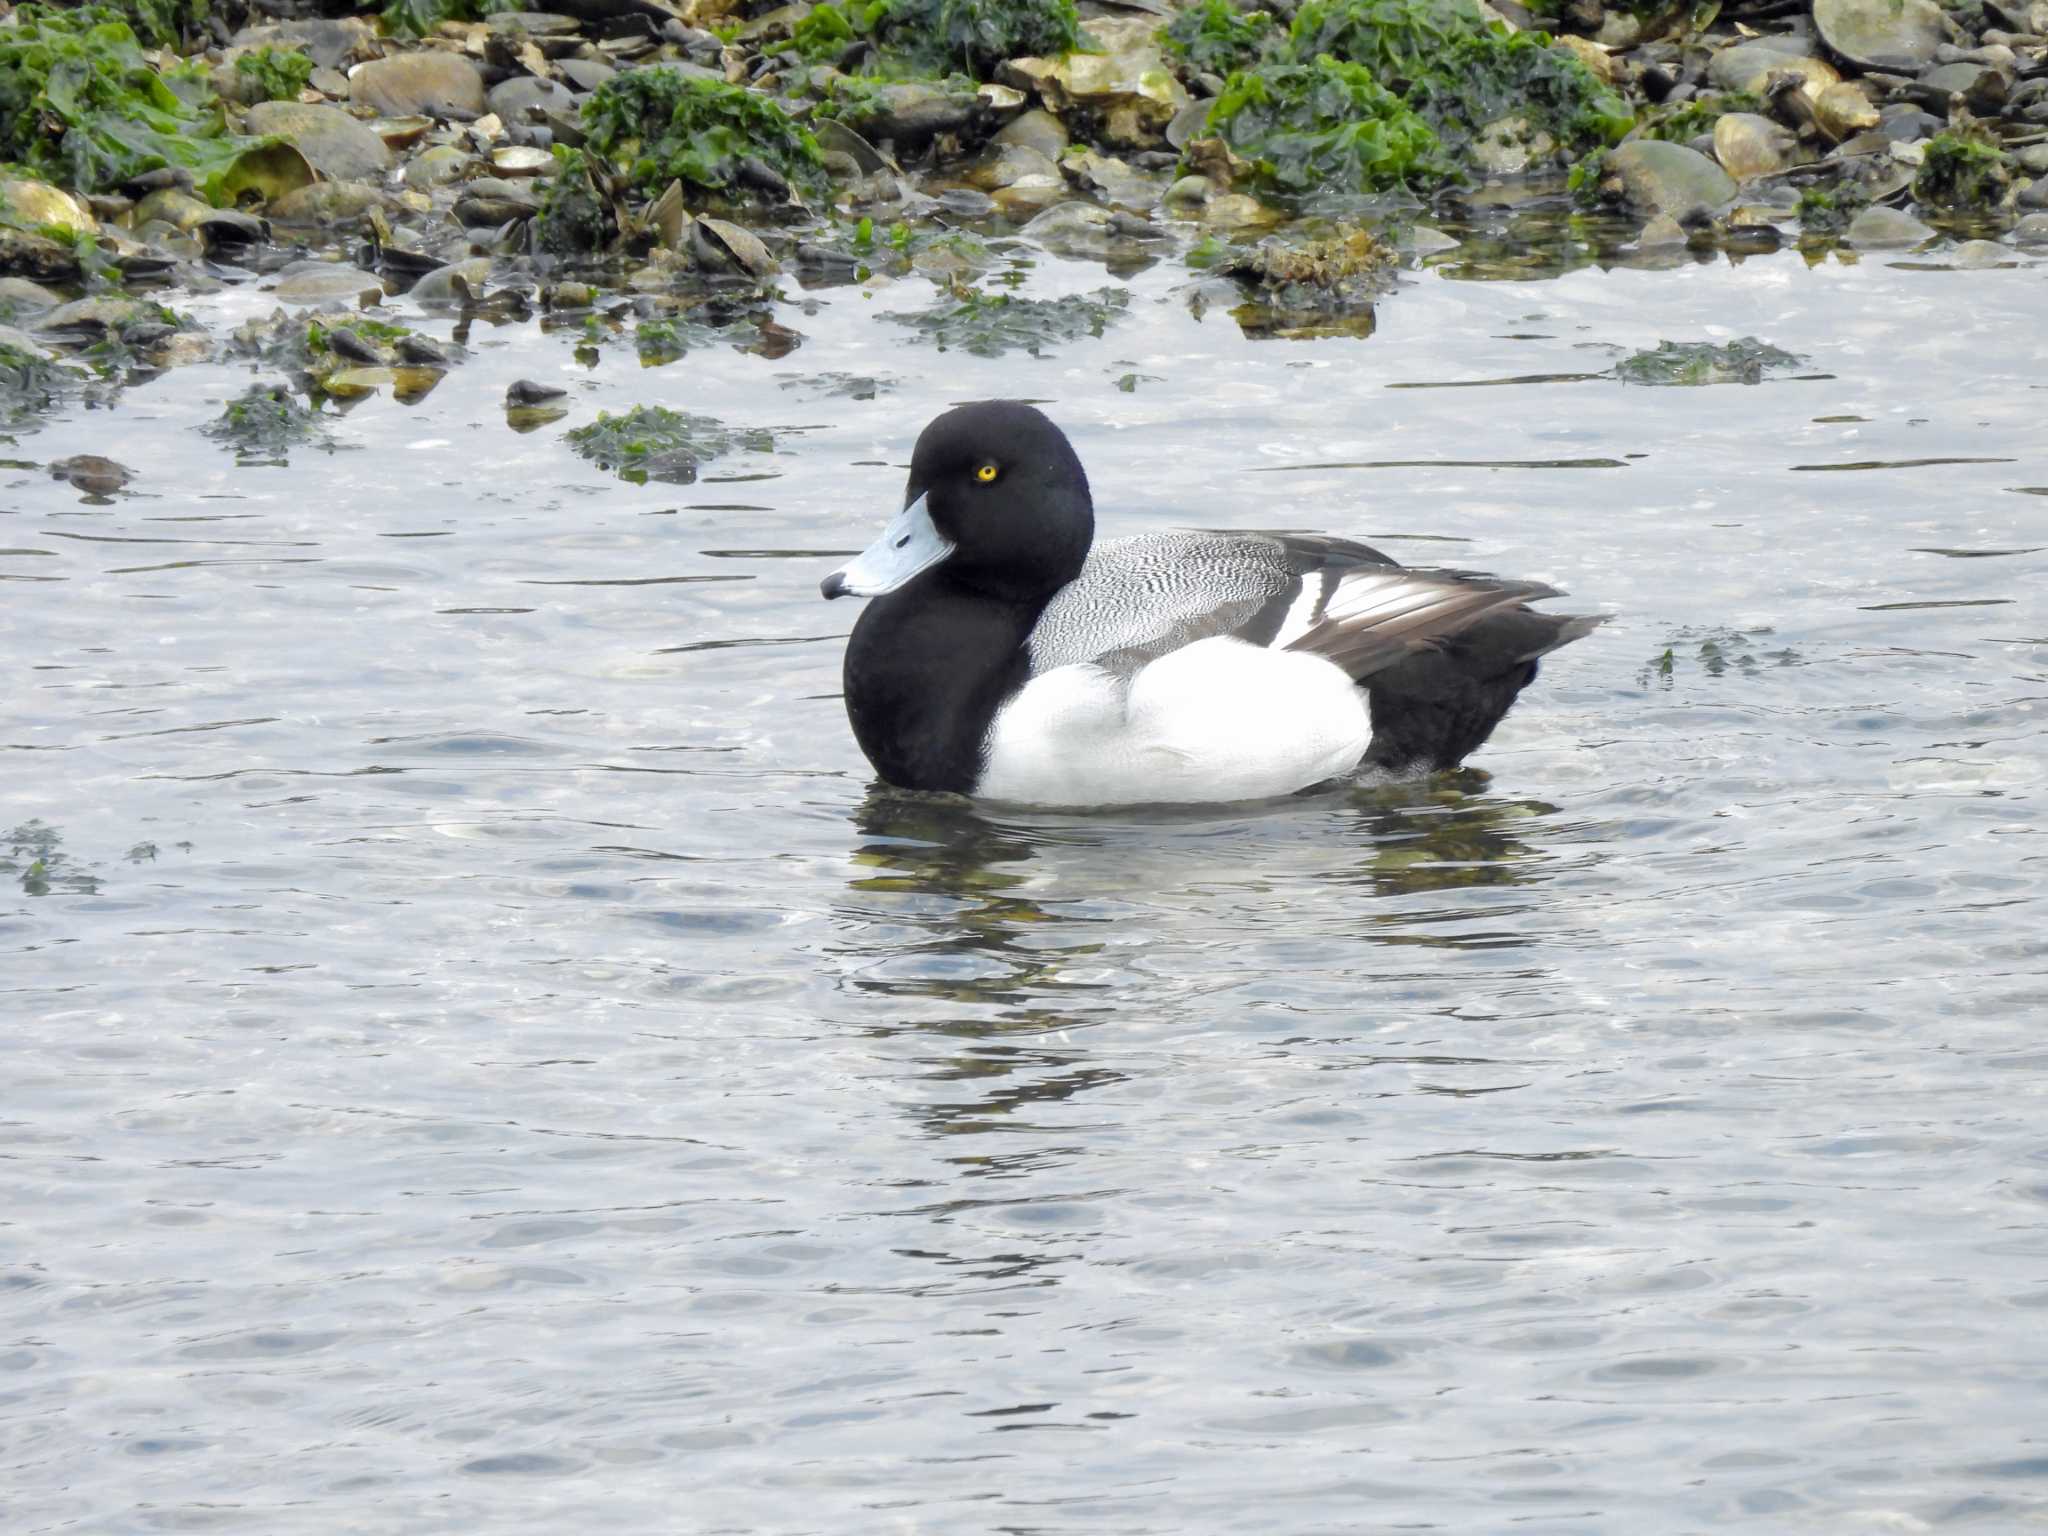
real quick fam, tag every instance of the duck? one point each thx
(1007, 654)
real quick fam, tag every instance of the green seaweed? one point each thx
(31, 384)
(278, 74)
(264, 423)
(1344, 99)
(416, 18)
(1398, 40)
(659, 125)
(1325, 125)
(1742, 361)
(1487, 76)
(991, 324)
(160, 23)
(30, 855)
(82, 107)
(573, 216)
(652, 442)
(918, 37)
(1690, 119)
(1217, 36)
(1962, 172)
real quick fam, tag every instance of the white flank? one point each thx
(1216, 720)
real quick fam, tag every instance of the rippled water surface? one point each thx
(482, 1055)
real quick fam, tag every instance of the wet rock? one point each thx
(19, 296)
(1078, 230)
(437, 83)
(490, 201)
(1983, 87)
(1661, 232)
(1006, 165)
(511, 99)
(229, 231)
(315, 282)
(401, 133)
(585, 74)
(337, 146)
(1189, 192)
(1881, 34)
(528, 392)
(2032, 230)
(1113, 180)
(1748, 67)
(1028, 195)
(1655, 177)
(1036, 129)
(329, 44)
(1749, 146)
(327, 205)
(1126, 89)
(518, 160)
(459, 282)
(438, 166)
(38, 204)
(1879, 228)
(94, 475)
(1842, 111)
(1978, 255)
(912, 113)
(25, 255)
(2033, 159)
(180, 210)
(1508, 145)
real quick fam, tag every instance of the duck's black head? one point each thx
(996, 501)
(1004, 487)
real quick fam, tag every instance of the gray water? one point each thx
(483, 1056)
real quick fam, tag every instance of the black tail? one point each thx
(1433, 709)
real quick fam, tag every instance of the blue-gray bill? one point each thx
(910, 544)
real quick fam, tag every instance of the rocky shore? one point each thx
(659, 171)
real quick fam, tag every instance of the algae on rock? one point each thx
(661, 125)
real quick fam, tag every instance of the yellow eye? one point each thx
(987, 473)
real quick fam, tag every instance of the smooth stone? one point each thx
(2034, 159)
(1878, 227)
(1122, 186)
(1843, 111)
(1427, 240)
(329, 44)
(91, 473)
(912, 114)
(334, 144)
(1747, 66)
(327, 203)
(437, 167)
(447, 285)
(585, 74)
(37, 203)
(435, 82)
(1881, 34)
(1661, 232)
(510, 99)
(2032, 230)
(1008, 165)
(1984, 87)
(314, 282)
(1191, 192)
(1975, 255)
(1669, 178)
(181, 210)
(1027, 195)
(1037, 129)
(21, 295)
(1749, 146)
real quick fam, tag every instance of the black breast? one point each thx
(926, 670)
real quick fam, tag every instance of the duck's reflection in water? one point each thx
(1009, 934)
(1042, 974)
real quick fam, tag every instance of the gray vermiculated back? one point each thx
(1141, 597)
